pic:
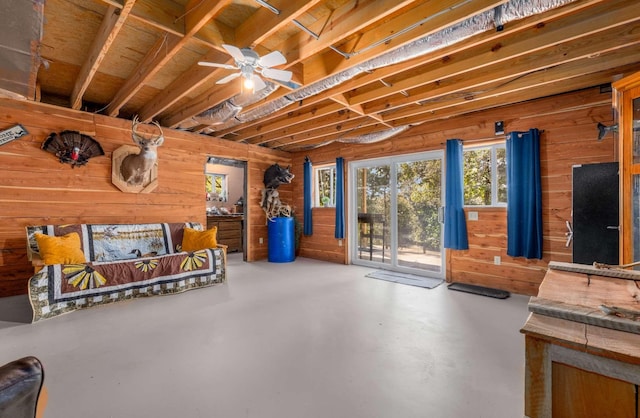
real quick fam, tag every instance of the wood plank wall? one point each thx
(569, 123)
(36, 189)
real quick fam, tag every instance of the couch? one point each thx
(83, 265)
(22, 393)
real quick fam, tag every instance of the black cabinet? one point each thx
(595, 213)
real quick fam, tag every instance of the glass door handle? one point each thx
(441, 214)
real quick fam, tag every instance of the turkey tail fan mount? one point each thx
(72, 147)
(249, 64)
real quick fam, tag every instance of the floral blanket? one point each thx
(58, 289)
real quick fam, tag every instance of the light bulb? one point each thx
(248, 83)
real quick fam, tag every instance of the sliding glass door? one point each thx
(396, 212)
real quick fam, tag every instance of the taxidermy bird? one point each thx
(72, 147)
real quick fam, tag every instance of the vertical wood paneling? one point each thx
(569, 124)
(36, 189)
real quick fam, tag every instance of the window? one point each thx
(325, 186)
(485, 175)
(216, 187)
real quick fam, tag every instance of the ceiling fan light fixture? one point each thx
(247, 83)
(247, 78)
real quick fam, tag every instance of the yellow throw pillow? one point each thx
(194, 240)
(60, 250)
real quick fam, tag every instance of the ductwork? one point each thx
(228, 109)
(489, 20)
(18, 33)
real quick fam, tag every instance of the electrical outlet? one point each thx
(472, 216)
(339, 243)
(260, 240)
(497, 260)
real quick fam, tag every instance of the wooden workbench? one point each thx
(583, 344)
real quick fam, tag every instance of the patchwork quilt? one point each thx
(62, 288)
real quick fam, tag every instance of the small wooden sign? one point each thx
(10, 134)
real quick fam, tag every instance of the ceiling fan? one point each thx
(249, 63)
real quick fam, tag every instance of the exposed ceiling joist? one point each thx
(359, 67)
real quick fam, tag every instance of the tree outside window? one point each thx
(485, 176)
(325, 186)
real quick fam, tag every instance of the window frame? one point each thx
(316, 186)
(493, 147)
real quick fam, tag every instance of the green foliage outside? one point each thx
(418, 199)
(477, 176)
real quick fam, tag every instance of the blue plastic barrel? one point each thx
(281, 240)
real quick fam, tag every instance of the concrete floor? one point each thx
(305, 339)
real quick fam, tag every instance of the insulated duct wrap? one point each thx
(489, 20)
(226, 110)
(20, 36)
(375, 136)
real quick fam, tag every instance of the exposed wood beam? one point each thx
(204, 101)
(322, 133)
(292, 131)
(354, 16)
(196, 15)
(515, 92)
(432, 26)
(195, 77)
(327, 136)
(600, 43)
(305, 115)
(252, 31)
(261, 24)
(111, 24)
(573, 27)
(441, 14)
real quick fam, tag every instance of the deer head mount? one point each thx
(136, 167)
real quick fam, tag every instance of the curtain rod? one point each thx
(488, 140)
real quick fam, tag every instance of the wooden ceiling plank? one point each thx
(197, 14)
(441, 17)
(147, 68)
(515, 97)
(618, 38)
(539, 84)
(432, 26)
(195, 77)
(162, 15)
(204, 101)
(345, 21)
(252, 31)
(291, 118)
(335, 118)
(111, 24)
(484, 38)
(341, 129)
(357, 15)
(326, 136)
(573, 27)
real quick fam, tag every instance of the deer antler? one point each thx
(135, 168)
(135, 134)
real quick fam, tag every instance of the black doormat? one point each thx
(479, 290)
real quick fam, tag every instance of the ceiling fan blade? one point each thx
(258, 83)
(228, 78)
(235, 52)
(280, 75)
(272, 59)
(214, 64)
